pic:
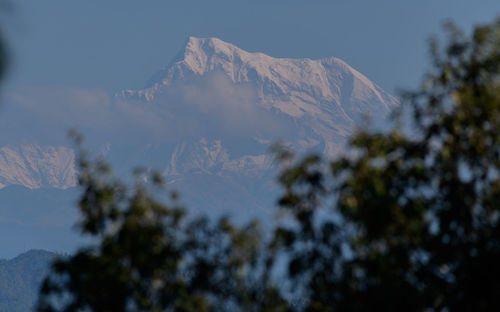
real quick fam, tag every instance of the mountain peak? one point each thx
(196, 44)
(200, 53)
(196, 56)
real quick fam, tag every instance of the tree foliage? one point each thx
(419, 211)
(406, 221)
(148, 257)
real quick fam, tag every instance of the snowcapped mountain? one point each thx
(290, 85)
(206, 122)
(322, 100)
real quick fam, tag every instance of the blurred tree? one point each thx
(147, 257)
(415, 222)
(5, 6)
(404, 222)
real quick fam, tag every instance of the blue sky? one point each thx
(117, 44)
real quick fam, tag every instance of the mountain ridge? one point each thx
(201, 55)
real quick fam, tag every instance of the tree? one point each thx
(147, 257)
(417, 214)
(406, 221)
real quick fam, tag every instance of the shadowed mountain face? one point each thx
(205, 121)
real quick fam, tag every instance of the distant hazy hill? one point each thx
(20, 279)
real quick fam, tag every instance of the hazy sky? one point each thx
(115, 44)
(68, 56)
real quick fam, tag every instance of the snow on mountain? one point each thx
(220, 107)
(326, 96)
(35, 166)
